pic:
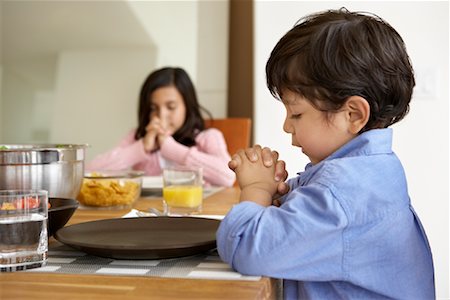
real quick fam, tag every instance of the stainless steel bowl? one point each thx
(59, 169)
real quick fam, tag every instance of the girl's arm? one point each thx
(128, 153)
(210, 152)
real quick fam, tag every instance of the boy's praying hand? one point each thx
(260, 175)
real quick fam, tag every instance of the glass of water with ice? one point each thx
(23, 229)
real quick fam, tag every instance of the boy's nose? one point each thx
(287, 127)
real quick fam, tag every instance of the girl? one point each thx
(171, 131)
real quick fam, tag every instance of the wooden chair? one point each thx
(237, 132)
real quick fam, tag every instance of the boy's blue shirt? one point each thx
(345, 230)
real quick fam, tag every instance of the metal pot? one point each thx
(59, 169)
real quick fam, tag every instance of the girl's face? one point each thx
(311, 130)
(168, 106)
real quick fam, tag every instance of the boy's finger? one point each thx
(267, 157)
(251, 154)
(275, 155)
(232, 164)
(283, 188)
(276, 202)
(280, 171)
(235, 160)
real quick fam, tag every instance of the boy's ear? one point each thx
(358, 112)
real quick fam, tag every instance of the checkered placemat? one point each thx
(64, 259)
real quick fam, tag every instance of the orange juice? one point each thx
(189, 196)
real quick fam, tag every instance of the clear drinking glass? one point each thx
(183, 190)
(23, 229)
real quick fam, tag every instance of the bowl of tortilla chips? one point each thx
(110, 189)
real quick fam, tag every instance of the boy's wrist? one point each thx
(256, 193)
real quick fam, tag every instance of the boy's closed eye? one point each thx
(295, 116)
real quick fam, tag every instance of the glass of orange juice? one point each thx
(182, 190)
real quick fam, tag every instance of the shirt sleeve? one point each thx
(128, 153)
(210, 153)
(303, 238)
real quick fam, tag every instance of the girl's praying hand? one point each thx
(156, 133)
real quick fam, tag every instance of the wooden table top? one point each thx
(48, 286)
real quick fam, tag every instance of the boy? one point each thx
(346, 228)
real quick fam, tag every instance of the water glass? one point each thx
(182, 190)
(23, 229)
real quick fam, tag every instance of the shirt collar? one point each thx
(375, 141)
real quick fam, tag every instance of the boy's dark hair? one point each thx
(330, 56)
(178, 78)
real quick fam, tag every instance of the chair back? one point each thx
(236, 131)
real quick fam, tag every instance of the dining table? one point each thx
(65, 286)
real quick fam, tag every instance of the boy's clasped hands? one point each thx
(260, 175)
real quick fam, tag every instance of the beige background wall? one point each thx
(88, 107)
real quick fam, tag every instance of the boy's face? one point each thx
(311, 130)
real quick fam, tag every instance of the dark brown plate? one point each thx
(59, 213)
(142, 238)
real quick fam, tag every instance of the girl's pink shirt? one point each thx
(210, 153)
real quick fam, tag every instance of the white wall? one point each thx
(24, 84)
(16, 95)
(42, 108)
(173, 28)
(89, 108)
(421, 140)
(212, 53)
(194, 36)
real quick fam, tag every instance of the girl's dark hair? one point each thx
(178, 78)
(330, 56)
